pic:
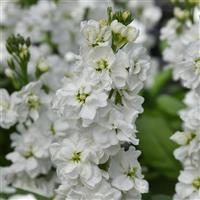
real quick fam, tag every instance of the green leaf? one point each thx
(163, 45)
(27, 3)
(169, 104)
(157, 148)
(161, 197)
(156, 197)
(160, 80)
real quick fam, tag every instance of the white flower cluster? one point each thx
(101, 104)
(31, 167)
(53, 26)
(84, 125)
(182, 40)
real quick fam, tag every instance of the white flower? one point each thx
(189, 184)
(36, 21)
(53, 127)
(8, 113)
(73, 161)
(80, 98)
(95, 33)
(65, 29)
(103, 191)
(125, 171)
(168, 32)
(139, 65)
(132, 194)
(116, 126)
(190, 115)
(144, 37)
(108, 67)
(100, 61)
(188, 69)
(4, 183)
(41, 185)
(31, 99)
(188, 152)
(31, 153)
(98, 102)
(143, 11)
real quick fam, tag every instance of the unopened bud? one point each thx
(181, 14)
(126, 15)
(9, 73)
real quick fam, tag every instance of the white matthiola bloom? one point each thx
(190, 115)
(8, 113)
(51, 76)
(139, 64)
(73, 161)
(144, 37)
(31, 99)
(4, 183)
(65, 25)
(95, 33)
(80, 98)
(101, 136)
(108, 67)
(182, 44)
(188, 152)
(93, 126)
(31, 153)
(132, 101)
(188, 69)
(143, 11)
(104, 101)
(169, 31)
(116, 125)
(125, 171)
(103, 191)
(55, 128)
(42, 185)
(100, 61)
(36, 21)
(192, 34)
(189, 184)
(10, 14)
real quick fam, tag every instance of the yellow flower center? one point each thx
(196, 183)
(101, 65)
(132, 172)
(197, 66)
(76, 157)
(81, 96)
(33, 101)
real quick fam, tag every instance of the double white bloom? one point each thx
(97, 103)
(102, 100)
(8, 113)
(183, 54)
